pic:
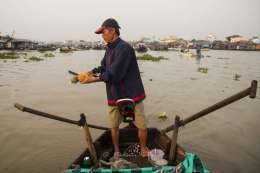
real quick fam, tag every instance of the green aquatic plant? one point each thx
(35, 58)
(236, 77)
(148, 57)
(9, 55)
(162, 116)
(49, 55)
(203, 69)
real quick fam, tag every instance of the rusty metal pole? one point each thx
(173, 150)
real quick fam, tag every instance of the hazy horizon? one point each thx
(57, 20)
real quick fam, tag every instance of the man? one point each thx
(120, 71)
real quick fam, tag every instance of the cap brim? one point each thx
(100, 30)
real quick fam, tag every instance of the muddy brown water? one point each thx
(227, 140)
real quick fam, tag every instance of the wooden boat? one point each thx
(205, 49)
(45, 49)
(102, 149)
(66, 49)
(187, 54)
(141, 48)
(128, 137)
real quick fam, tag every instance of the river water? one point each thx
(227, 140)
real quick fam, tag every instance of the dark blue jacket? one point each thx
(120, 71)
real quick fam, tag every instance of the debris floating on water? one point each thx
(193, 78)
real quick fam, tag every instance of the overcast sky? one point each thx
(51, 20)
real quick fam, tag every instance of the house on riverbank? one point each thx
(236, 39)
(201, 44)
(236, 42)
(22, 44)
(219, 45)
(10, 43)
(5, 41)
(1, 44)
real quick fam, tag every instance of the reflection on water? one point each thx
(227, 140)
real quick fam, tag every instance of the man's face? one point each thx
(108, 34)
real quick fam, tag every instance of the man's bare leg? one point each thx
(142, 134)
(115, 139)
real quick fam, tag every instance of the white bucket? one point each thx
(156, 154)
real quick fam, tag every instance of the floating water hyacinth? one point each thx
(162, 115)
(35, 58)
(9, 55)
(236, 77)
(203, 69)
(49, 55)
(148, 57)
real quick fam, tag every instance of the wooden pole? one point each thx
(55, 117)
(172, 152)
(90, 145)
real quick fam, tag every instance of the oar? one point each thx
(251, 92)
(81, 122)
(89, 141)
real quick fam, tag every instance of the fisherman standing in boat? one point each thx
(120, 71)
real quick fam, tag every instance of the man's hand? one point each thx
(87, 77)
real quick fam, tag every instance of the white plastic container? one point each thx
(156, 154)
